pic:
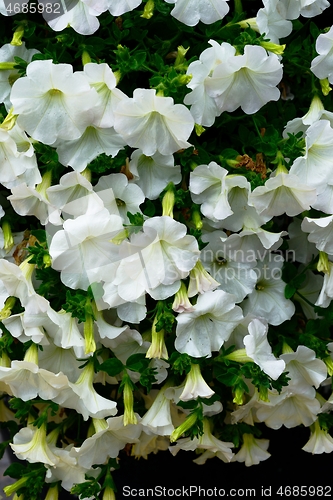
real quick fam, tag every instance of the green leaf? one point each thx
(112, 366)
(137, 362)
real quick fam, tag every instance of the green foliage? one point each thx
(31, 479)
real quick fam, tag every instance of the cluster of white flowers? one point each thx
(151, 284)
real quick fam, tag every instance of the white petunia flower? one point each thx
(103, 80)
(309, 293)
(158, 419)
(303, 367)
(119, 7)
(321, 65)
(320, 440)
(83, 250)
(306, 8)
(119, 196)
(272, 20)
(94, 141)
(235, 276)
(253, 450)
(27, 200)
(320, 232)
(316, 112)
(210, 186)
(156, 259)
(111, 436)
(67, 470)
(73, 196)
(195, 385)
(314, 168)
(7, 54)
(205, 329)
(291, 408)
(284, 193)
(31, 444)
(203, 107)
(267, 300)
(326, 292)
(53, 102)
(206, 441)
(190, 12)
(301, 249)
(83, 397)
(82, 17)
(249, 80)
(258, 349)
(153, 173)
(13, 162)
(153, 123)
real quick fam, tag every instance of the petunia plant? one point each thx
(166, 249)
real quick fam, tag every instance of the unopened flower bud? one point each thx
(18, 35)
(323, 263)
(325, 86)
(85, 58)
(129, 415)
(273, 47)
(168, 201)
(148, 10)
(8, 236)
(199, 129)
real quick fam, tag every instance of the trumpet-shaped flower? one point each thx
(190, 12)
(205, 329)
(316, 112)
(267, 300)
(82, 250)
(119, 196)
(53, 102)
(253, 450)
(73, 196)
(272, 20)
(203, 107)
(158, 419)
(320, 440)
(82, 397)
(111, 436)
(7, 54)
(67, 470)
(103, 80)
(247, 80)
(157, 260)
(195, 385)
(153, 123)
(235, 275)
(207, 441)
(119, 7)
(210, 186)
(284, 193)
(258, 349)
(31, 444)
(326, 292)
(320, 232)
(314, 168)
(13, 163)
(94, 141)
(321, 65)
(153, 173)
(303, 367)
(306, 8)
(16, 280)
(82, 17)
(291, 408)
